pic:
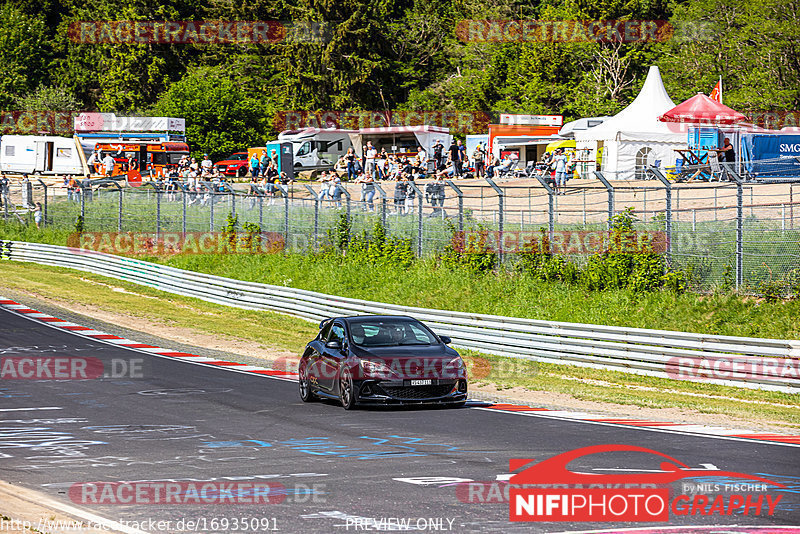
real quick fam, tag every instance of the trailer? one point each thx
(316, 148)
(41, 154)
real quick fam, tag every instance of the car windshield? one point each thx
(238, 157)
(390, 333)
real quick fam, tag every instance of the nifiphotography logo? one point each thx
(640, 497)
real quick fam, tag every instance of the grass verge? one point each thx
(287, 333)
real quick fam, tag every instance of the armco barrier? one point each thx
(715, 359)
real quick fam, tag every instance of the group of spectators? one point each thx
(379, 166)
(26, 190)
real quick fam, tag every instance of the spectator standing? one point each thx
(274, 157)
(254, 165)
(479, 156)
(438, 154)
(207, 165)
(108, 164)
(411, 194)
(400, 189)
(369, 158)
(350, 160)
(94, 162)
(325, 185)
(37, 214)
(265, 162)
(560, 163)
(453, 155)
(435, 191)
(367, 191)
(462, 156)
(3, 191)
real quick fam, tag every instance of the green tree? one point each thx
(49, 98)
(222, 115)
(24, 52)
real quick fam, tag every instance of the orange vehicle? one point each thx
(137, 159)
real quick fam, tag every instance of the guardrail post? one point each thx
(739, 224)
(610, 189)
(233, 200)
(460, 195)
(501, 217)
(316, 213)
(655, 171)
(551, 223)
(382, 193)
(419, 197)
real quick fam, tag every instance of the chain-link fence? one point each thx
(737, 233)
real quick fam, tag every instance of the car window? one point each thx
(304, 149)
(337, 333)
(323, 334)
(390, 332)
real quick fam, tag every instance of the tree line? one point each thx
(389, 55)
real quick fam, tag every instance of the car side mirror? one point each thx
(333, 345)
(446, 339)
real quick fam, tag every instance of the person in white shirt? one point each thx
(369, 157)
(108, 163)
(206, 165)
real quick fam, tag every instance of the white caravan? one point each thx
(40, 154)
(317, 148)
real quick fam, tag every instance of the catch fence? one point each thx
(738, 233)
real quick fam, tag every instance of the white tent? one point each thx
(635, 138)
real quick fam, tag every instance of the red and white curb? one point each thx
(143, 347)
(516, 409)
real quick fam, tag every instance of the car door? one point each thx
(332, 357)
(314, 360)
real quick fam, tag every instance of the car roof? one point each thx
(348, 318)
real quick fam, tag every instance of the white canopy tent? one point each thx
(634, 138)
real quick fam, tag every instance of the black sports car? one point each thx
(381, 359)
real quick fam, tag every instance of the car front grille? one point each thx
(416, 392)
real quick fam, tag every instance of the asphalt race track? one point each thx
(331, 470)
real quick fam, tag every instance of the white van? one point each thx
(40, 154)
(316, 148)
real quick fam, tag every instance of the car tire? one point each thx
(347, 392)
(306, 395)
(242, 172)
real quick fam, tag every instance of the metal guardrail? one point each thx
(768, 364)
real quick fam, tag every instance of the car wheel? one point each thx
(242, 172)
(306, 395)
(347, 392)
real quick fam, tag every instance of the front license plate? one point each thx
(421, 382)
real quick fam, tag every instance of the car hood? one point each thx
(231, 162)
(410, 361)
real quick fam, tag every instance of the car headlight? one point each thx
(456, 368)
(376, 368)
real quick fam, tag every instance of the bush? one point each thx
(469, 250)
